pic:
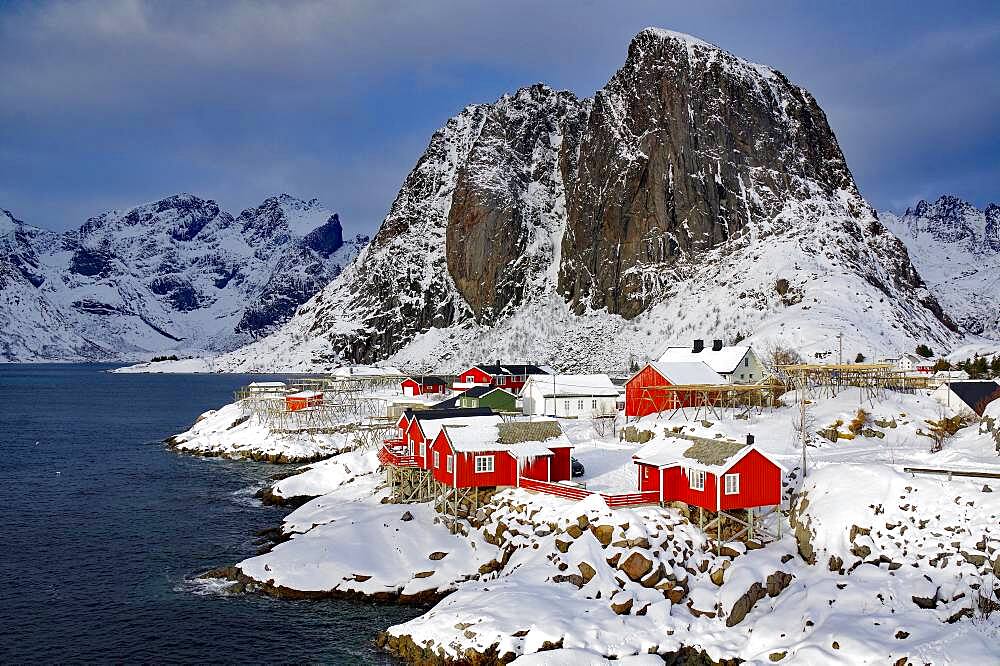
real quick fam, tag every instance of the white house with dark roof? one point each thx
(738, 364)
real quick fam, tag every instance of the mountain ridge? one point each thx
(695, 195)
(175, 275)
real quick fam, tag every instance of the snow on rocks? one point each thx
(228, 433)
(323, 477)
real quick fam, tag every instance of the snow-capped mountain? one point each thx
(176, 275)
(956, 248)
(696, 195)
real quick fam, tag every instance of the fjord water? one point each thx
(104, 527)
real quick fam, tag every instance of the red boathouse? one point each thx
(504, 375)
(424, 384)
(296, 401)
(644, 392)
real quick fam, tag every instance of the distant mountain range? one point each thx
(696, 195)
(178, 275)
(956, 248)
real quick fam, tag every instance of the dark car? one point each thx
(576, 467)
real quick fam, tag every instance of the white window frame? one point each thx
(579, 405)
(593, 403)
(565, 406)
(733, 479)
(449, 463)
(696, 479)
(423, 449)
(437, 460)
(469, 379)
(484, 464)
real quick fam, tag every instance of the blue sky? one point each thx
(113, 103)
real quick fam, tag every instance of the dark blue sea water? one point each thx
(102, 527)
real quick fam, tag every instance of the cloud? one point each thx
(120, 101)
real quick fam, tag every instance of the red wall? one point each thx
(677, 488)
(760, 483)
(443, 448)
(537, 469)
(561, 470)
(635, 404)
(504, 470)
(649, 478)
(480, 377)
(414, 437)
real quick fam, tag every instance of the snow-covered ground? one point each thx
(875, 566)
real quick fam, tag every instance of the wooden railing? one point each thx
(397, 458)
(613, 500)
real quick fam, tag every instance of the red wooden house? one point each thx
(505, 375)
(417, 429)
(296, 401)
(713, 475)
(479, 454)
(644, 393)
(423, 384)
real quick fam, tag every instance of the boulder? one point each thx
(437, 555)
(586, 571)
(406, 517)
(603, 533)
(621, 603)
(636, 566)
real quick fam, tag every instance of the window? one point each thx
(696, 478)
(450, 463)
(484, 464)
(437, 460)
(732, 484)
(469, 379)
(423, 449)
(645, 472)
(566, 406)
(593, 404)
(579, 405)
(746, 362)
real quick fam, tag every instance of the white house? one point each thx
(738, 364)
(569, 395)
(913, 363)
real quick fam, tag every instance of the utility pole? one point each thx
(802, 418)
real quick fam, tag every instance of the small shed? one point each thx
(712, 474)
(422, 385)
(303, 399)
(967, 396)
(644, 392)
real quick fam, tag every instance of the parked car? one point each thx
(576, 467)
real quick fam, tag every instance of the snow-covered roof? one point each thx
(475, 429)
(976, 394)
(524, 450)
(305, 394)
(426, 380)
(266, 385)
(715, 457)
(695, 372)
(574, 385)
(724, 360)
(520, 438)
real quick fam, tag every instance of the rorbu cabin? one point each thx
(480, 453)
(419, 428)
(716, 475)
(647, 393)
(266, 389)
(303, 399)
(423, 385)
(503, 375)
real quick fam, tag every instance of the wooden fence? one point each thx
(613, 500)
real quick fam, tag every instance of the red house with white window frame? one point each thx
(713, 475)
(417, 430)
(644, 394)
(484, 454)
(505, 375)
(422, 385)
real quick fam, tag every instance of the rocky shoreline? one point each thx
(253, 455)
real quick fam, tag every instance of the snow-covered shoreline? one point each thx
(867, 570)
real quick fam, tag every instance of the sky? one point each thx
(114, 103)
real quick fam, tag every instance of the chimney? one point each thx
(749, 440)
(698, 346)
(716, 345)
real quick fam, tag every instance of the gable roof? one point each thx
(521, 439)
(714, 456)
(725, 360)
(574, 385)
(687, 372)
(517, 432)
(426, 380)
(976, 394)
(512, 369)
(477, 391)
